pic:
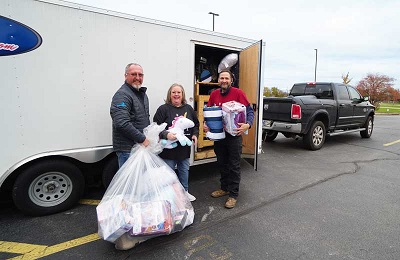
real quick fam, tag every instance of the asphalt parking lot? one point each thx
(341, 202)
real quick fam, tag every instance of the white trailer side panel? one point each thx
(57, 97)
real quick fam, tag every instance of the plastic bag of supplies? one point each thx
(233, 113)
(145, 198)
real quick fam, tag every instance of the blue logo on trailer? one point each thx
(17, 38)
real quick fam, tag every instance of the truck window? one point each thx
(323, 91)
(320, 91)
(342, 92)
(354, 94)
(298, 89)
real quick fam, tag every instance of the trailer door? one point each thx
(250, 60)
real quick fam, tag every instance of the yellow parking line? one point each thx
(89, 202)
(395, 142)
(19, 248)
(30, 251)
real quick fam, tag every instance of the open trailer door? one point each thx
(250, 60)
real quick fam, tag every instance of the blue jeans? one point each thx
(122, 157)
(183, 170)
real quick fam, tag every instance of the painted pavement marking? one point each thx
(206, 247)
(89, 202)
(32, 251)
(395, 142)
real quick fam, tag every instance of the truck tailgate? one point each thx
(277, 109)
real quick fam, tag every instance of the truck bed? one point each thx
(277, 108)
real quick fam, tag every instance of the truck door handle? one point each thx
(342, 105)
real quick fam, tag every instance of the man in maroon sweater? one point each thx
(229, 150)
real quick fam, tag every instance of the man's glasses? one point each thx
(137, 75)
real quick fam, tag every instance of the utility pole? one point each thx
(213, 14)
(316, 59)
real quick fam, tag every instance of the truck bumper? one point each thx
(282, 126)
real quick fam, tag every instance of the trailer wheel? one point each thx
(269, 135)
(369, 126)
(110, 169)
(48, 187)
(315, 138)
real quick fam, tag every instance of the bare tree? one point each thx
(346, 79)
(378, 87)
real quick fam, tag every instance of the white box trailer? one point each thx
(60, 65)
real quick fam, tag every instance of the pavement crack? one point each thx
(356, 163)
(370, 148)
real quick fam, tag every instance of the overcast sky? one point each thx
(358, 37)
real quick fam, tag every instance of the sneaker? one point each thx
(230, 203)
(219, 193)
(126, 242)
(190, 197)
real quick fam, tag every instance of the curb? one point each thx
(387, 114)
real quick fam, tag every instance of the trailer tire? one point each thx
(315, 137)
(110, 169)
(48, 187)
(269, 135)
(369, 127)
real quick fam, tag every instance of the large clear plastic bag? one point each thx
(145, 198)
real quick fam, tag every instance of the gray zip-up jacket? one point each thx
(130, 115)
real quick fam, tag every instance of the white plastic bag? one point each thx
(145, 198)
(228, 62)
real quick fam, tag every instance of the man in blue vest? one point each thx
(130, 113)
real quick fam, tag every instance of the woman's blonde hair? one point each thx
(168, 100)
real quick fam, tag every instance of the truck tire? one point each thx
(269, 135)
(369, 126)
(110, 169)
(315, 137)
(48, 187)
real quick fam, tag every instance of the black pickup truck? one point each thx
(316, 110)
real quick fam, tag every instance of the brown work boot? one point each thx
(219, 193)
(230, 203)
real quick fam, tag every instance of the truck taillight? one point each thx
(296, 111)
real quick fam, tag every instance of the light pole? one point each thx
(316, 59)
(213, 14)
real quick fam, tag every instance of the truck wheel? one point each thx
(48, 187)
(269, 135)
(315, 138)
(110, 169)
(369, 126)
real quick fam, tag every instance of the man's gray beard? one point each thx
(136, 86)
